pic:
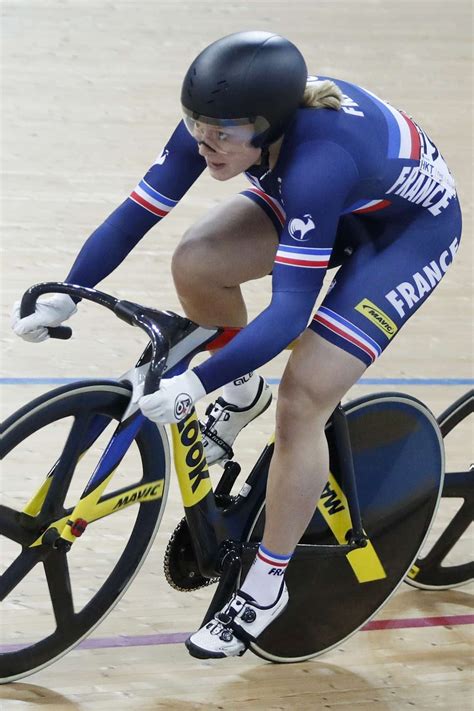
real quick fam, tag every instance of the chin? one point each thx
(222, 175)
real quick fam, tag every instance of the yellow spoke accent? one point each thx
(33, 507)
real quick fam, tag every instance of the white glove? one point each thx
(174, 400)
(49, 312)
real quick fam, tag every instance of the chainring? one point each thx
(179, 564)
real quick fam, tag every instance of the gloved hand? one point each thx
(49, 312)
(174, 400)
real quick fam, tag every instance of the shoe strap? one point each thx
(241, 634)
(227, 621)
(227, 618)
(207, 431)
(228, 451)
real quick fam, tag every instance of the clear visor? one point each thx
(224, 135)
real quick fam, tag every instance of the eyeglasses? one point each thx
(223, 135)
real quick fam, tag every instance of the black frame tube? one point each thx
(346, 464)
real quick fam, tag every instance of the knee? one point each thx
(303, 404)
(191, 261)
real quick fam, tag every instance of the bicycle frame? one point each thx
(174, 341)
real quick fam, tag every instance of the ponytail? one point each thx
(322, 95)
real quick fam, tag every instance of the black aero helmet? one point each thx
(246, 77)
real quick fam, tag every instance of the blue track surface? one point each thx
(272, 381)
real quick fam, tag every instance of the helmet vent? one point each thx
(221, 86)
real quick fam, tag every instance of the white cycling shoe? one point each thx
(224, 422)
(232, 629)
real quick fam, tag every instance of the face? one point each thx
(228, 152)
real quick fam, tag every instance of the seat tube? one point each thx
(346, 464)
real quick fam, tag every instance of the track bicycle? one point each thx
(384, 485)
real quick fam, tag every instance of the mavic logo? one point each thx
(334, 508)
(146, 493)
(330, 500)
(299, 228)
(377, 316)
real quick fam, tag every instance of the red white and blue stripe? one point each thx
(272, 205)
(403, 136)
(363, 206)
(276, 561)
(153, 201)
(348, 332)
(306, 257)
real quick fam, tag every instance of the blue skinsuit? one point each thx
(362, 187)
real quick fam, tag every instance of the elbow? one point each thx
(299, 324)
(293, 312)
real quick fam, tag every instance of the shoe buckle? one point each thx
(224, 618)
(248, 615)
(226, 635)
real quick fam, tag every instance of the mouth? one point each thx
(215, 165)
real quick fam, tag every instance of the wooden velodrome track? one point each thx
(90, 94)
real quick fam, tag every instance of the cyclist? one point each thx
(337, 177)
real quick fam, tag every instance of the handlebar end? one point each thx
(63, 333)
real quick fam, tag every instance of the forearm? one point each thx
(269, 334)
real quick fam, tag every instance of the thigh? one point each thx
(234, 242)
(386, 281)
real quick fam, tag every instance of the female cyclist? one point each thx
(337, 177)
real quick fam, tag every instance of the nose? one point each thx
(205, 148)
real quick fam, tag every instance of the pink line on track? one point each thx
(179, 637)
(444, 621)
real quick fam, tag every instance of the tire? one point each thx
(432, 571)
(75, 608)
(399, 464)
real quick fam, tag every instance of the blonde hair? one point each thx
(322, 95)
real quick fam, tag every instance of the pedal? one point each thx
(231, 566)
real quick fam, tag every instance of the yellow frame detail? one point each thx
(365, 562)
(91, 509)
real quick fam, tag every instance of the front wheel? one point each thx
(54, 597)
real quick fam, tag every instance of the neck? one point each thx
(274, 152)
(268, 159)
